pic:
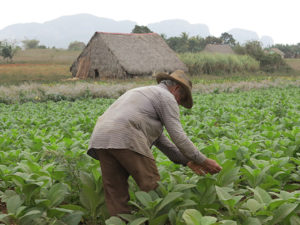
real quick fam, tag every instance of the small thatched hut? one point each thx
(119, 55)
(218, 48)
(277, 51)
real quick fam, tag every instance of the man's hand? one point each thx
(208, 166)
(196, 168)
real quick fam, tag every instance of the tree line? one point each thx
(268, 61)
(184, 43)
(290, 51)
(9, 49)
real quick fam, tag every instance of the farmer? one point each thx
(124, 134)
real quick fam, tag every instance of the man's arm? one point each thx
(173, 153)
(170, 150)
(168, 111)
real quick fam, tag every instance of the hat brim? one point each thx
(188, 102)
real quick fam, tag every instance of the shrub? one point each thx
(76, 46)
(268, 62)
(7, 50)
(141, 29)
(29, 44)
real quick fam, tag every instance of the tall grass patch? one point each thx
(218, 64)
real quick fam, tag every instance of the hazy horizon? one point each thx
(276, 18)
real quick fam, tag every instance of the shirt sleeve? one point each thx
(168, 111)
(170, 150)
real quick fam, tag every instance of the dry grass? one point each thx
(17, 73)
(246, 85)
(42, 65)
(60, 91)
(75, 90)
(45, 56)
(294, 63)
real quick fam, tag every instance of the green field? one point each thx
(248, 121)
(47, 178)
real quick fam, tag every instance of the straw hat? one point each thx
(179, 77)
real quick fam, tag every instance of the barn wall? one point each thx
(80, 66)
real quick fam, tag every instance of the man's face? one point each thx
(179, 93)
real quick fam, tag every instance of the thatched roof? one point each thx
(278, 51)
(121, 55)
(218, 48)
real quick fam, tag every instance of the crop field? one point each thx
(247, 120)
(46, 176)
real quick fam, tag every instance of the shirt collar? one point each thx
(163, 86)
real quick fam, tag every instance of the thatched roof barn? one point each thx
(277, 51)
(119, 55)
(218, 48)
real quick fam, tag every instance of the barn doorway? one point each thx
(97, 73)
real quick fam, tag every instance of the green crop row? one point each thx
(208, 63)
(47, 178)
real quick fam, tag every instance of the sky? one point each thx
(279, 19)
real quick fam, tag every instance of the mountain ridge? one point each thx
(61, 31)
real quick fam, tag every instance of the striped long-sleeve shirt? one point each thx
(135, 121)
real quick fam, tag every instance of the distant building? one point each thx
(218, 48)
(119, 55)
(277, 51)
